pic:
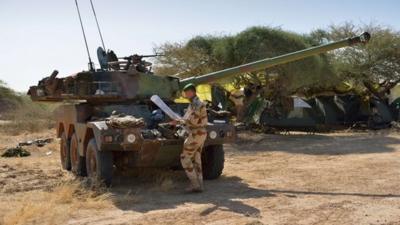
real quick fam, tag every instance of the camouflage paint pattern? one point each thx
(195, 120)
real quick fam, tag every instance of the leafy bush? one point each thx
(9, 99)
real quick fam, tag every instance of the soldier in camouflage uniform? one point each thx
(195, 121)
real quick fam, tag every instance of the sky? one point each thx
(39, 36)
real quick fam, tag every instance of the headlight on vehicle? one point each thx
(131, 138)
(213, 134)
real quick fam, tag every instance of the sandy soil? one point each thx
(338, 178)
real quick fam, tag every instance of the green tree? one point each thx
(375, 66)
(204, 54)
(180, 60)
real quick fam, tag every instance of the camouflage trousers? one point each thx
(191, 156)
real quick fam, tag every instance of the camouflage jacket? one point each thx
(196, 114)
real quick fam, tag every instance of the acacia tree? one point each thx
(180, 60)
(374, 67)
(204, 54)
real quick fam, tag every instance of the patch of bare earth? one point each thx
(34, 189)
(338, 178)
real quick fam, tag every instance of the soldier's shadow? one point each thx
(225, 193)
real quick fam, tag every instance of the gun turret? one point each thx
(131, 79)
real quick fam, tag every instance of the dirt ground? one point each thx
(337, 178)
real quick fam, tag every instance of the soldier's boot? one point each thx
(198, 169)
(200, 180)
(188, 166)
(194, 181)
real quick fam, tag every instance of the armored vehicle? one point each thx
(107, 120)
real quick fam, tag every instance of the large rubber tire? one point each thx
(213, 159)
(78, 165)
(99, 164)
(64, 152)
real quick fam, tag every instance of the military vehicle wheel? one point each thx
(78, 166)
(64, 152)
(213, 161)
(99, 164)
(376, 122)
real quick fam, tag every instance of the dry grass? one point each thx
(56, 206)
(162, 180)
(158, 179)
(353, 179)
(28, 117)
(130, 197)
(36, 191)
(167, 185)
(19, 126)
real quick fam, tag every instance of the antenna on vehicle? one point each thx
(98, 27)
(91, 66)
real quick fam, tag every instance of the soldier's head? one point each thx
(189, 91)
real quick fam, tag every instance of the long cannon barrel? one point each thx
(270, 62)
